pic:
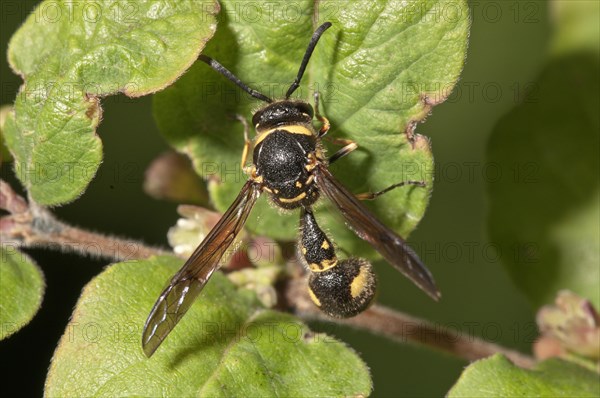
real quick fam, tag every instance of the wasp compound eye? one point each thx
(345, 290)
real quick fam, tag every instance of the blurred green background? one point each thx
(507, 49)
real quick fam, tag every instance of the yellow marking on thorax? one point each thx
(325, 245)
(313, 161)
(358, 283)
(292, 200)
(294, 129)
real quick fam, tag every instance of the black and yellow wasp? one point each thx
(289, 164)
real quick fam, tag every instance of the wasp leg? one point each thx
(349, 147)
(373, 195)
(340, 289)
(325, 122)
(340, 141)
(247, 142)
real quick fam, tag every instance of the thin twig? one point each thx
(34, 226)
(401, 327)
(30, 225)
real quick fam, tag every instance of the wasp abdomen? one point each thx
(339, 288)
(345, 290)
(317, 250)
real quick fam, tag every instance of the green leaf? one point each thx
(544, 208)
(21, 290)
(5, 155)
(577, 27)
(498, 377)
(379, 69)
(71, 53)
(227, 344)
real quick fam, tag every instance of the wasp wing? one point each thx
(185, 286)
(391, 246)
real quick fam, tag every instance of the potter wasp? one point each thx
(288, 162)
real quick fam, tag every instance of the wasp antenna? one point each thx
(309, 50)
(225, 72)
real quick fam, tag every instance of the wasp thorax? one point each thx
(282, 158)
(345, 290)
